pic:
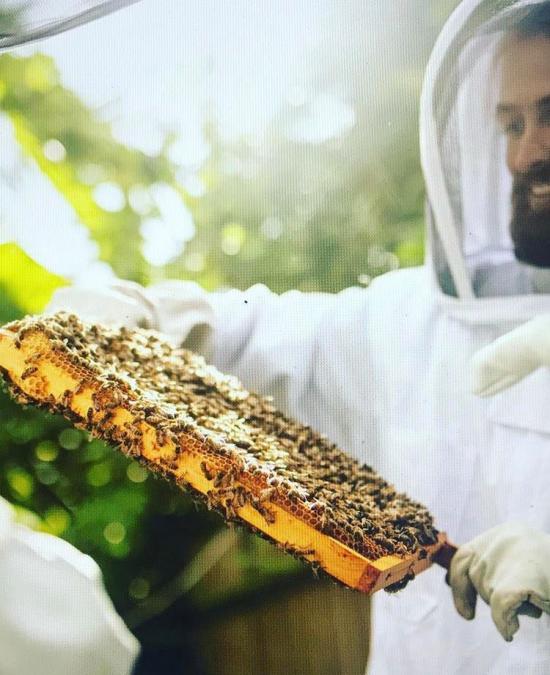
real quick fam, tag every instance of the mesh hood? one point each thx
(463, 151)
(23, 21)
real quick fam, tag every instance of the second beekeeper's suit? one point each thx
(383, 371)
(55, 615)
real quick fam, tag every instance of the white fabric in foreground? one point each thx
(55, 616)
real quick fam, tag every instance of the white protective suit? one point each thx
(55, 616)
(383, 371)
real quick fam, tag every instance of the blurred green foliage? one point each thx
(332, 228)
(141, 531)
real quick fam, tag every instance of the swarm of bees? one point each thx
(265, 457)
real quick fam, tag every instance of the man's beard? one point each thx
(530, 229)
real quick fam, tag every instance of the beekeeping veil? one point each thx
(463, 156)
(23, 21)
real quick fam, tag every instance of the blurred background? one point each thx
(227, 143)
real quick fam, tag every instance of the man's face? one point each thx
(524, 114)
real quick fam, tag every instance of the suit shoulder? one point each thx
(390, 291)
(403, 281)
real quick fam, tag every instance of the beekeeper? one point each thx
(385, 371)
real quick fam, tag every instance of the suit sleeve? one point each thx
(267, 340)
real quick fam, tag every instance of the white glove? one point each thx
(509, 566)
(55, 616)
(511, 357)
(124, 303)
(175, 308)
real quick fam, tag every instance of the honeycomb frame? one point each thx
(43, 368)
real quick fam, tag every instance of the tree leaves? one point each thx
(26, 285)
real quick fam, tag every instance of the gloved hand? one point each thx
(511, 357)
(122, 303)
(508, 566)
(181, 310)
